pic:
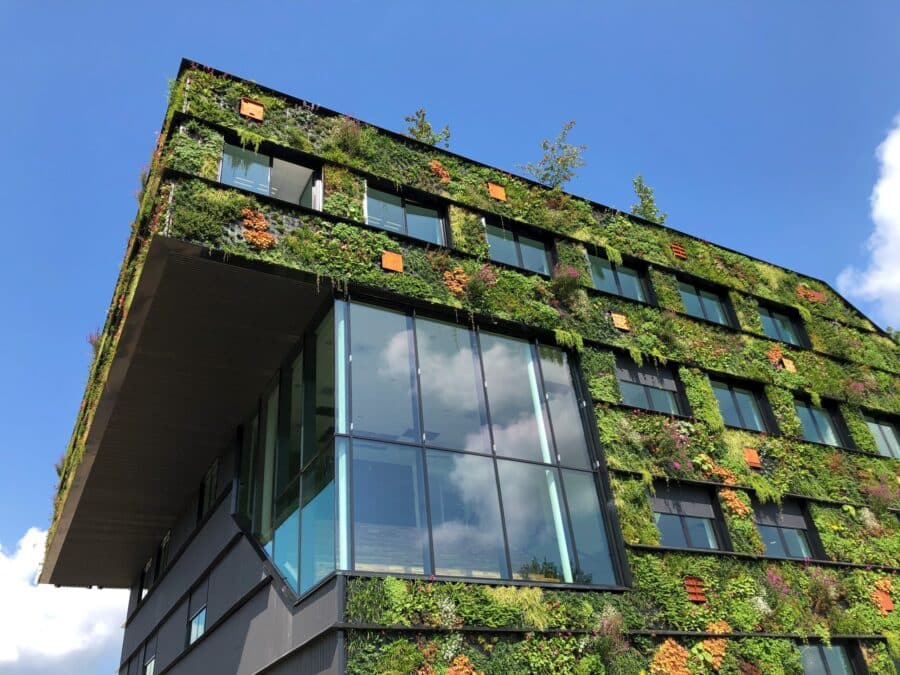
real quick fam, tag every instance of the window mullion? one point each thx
(737, 407)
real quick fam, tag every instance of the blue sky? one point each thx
(756, 124)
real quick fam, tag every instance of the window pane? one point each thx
(812, 660)
(322, 407)
(701, 532)
(317, 522)
(886, 438)
(198, 625)
(286, 544)
(797, 545)
(810, 433)
(383, 379)
(837, 660)
(452, 393)
(502, 245)
(772, 541)
(713, 306)
(602, 274)
(632, 287)
(726, 404)
(535, 527)
(786, 326)
(245, 169)
(389, 528)
(289, 180)
(826, 426)
(670, 531)
(514, 398)
(465, 516)
(534, 255)
(384, 210)
(594, 561)
(425, 224)
(565, 411)
(770, 328)
(150, 668)
(633, 394)
(663, 401)
(690, 299)
(749, 408)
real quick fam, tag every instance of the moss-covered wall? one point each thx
(459, 628)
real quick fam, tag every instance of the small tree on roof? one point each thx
(557, 166)
(646, 206)
(420, 129)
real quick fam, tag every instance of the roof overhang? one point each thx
(203, 337)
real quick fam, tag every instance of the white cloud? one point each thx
(880, 281)
(46, 630)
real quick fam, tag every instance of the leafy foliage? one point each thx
(561, 159)
(420, 129)
(646, 204)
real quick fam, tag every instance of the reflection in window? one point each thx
(779, 326)
(515, 249)
(539, 548)
(565, 411)
(825, 660)
(465, 516)
(268, 176)
(594, 565)
(648, 386)
(389, 529)
(317, 521)
(385, 404)
(739, 406)
(452, 393)
(702, 303)
(617, 279)
(197, 612)
(783, 529)
(818, 424)
(685, 517)
(886, 437)
(395, 214)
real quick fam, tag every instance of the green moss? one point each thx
(344, 193)
(859, 430)
(599, 369)
(857, 535)
(782, 404)
(701, 398)
(467, 229)
(633, 509)
(665, 287)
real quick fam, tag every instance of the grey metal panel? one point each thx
(647, 374)
(316, 612)
(170, 640)
(685, 500)
(320, 657)
(789, 514)
(230, 580)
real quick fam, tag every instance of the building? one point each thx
(364, 405)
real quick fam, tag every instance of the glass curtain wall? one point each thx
(399, 444)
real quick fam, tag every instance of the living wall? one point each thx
(434, 627)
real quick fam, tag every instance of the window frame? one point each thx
(314, 165)
(721, 293)
(770, 425)
(851, 651)
(517, 231)
(793, 317)
(148, 655)
(883, 421)
(779, 517)
(844, 441)
(422, 200)
(163, 553)
(717, 521)
(682, 405)
(636, 265)
(201, 589)
(209, 491)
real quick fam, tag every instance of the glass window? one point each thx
(886, 437)
(702, 303)
(383, 383)
(208, 490)
(739, 406)
(539, 548)
(198, 626)
(648, 386)
(465, 516)
(818, 424)
(453, 407)
(317, 521)
(150, 655)
(685, 517)
(825, 660)
(594, 562)
(619, 279)
(514, 397)
(150, 666)
(516, 249)
(783, 529)
(395, 214)
(285, 543)
(162, 558)
(565, 409)
(779, 325)
(267, 175)
(389, 529)
(146, 578)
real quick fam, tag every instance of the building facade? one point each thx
(363, 405)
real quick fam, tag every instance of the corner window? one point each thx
(197, 612)
(395, 214)
(647, 386)
(740, 407)
(819, 424)
(886, 436)
(825, 660)
(208, 492)
(780, 326)
(704, 303)
(518, 250)
(270, 176)
(685, 517)
(618, 279)
(783, 529)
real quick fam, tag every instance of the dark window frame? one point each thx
(637, 266)
(314, 165)
(778, 520)
(518, 232)
(149, 653)
(681, 402)
(770, 425)
(717, 520)
(194, 611)
(721, 294)
(844, 439)
(410, 198)
(209, 490)
(792, 316)
(882, 420)
(163, 553)
(851, 651)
